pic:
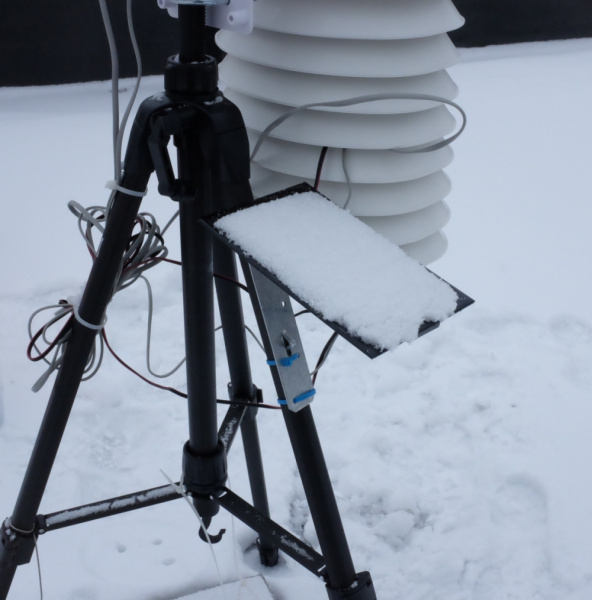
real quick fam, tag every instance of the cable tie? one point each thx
(10, 525)
(271, 363)
(299, 398)
(113, 185)
(86, 323)
(289, 360)
(304, 396)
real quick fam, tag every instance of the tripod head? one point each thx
(194, 16)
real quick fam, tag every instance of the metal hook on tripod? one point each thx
(208, 537)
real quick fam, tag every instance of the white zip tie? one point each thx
(113, 185)
(9, 525)
(32, 532)
(86, 323)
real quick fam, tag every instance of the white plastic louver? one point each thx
(311, 51)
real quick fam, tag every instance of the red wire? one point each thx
(62, 333)
(171, 389)
(320, 167)
(124, 364)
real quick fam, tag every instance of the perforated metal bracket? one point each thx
(283, 342)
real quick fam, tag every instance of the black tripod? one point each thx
(213, 175)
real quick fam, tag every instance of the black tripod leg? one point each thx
(321, 499)
(278, 327)
(242, 388)
(18, 531)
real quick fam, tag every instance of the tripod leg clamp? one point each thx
(255, 398)
(16, 547)
(203, 475)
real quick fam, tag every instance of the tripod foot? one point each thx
(361, 589)
(268, 553)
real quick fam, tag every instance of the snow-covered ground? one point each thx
(461, 462)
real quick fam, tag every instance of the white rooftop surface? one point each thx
(460, 462)
(251, 588)
(341, 267)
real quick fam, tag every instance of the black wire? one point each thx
(233, 281)
(320, 167)
(324, 355)
(174, 390)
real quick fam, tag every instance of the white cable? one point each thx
(87, 215)
(146, 244)
(126, 114)
(170, 222)
(114, 80)
(149, 336)
(94, 360)
(254, 336)
(347, 179)
(39, 570)
(145, 251)
(119, 128)
(181, 491)
(364, 100)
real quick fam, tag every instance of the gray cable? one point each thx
(145, 251)
(114, 80)
(146, 243)
(364, 100)
(254, 336)
(119, 128)
(126, 114)
(347, 178)
(149, 336)
(94, 360)
(170, 222)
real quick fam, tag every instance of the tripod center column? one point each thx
(190, 78)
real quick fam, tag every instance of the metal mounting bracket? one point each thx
(288, 358)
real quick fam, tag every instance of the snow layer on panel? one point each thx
(341, 268)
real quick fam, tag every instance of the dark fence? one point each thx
(63, 41)
(512, 21)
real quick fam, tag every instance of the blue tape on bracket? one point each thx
(287, 362)
(299, 398)
(304, 396)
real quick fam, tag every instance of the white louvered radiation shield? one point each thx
(314, 51)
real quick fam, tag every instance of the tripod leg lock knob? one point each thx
(361, 589)
(203, 475)
(255, 398)
(16, 547)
